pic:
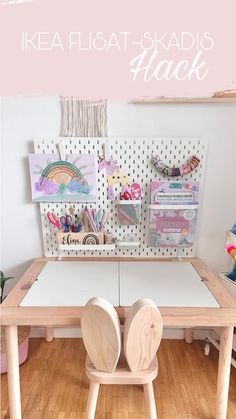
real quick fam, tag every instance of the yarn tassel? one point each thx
(83, 118)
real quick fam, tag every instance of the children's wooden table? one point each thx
(53, 293)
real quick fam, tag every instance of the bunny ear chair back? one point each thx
(100, 327)
(142, 334)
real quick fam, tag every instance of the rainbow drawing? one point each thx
(70, 180)
(52, 170)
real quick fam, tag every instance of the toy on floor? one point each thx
(175, 171)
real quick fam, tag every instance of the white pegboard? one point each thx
(134, 157)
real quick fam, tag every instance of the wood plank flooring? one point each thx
(54, 385)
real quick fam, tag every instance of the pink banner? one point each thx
(120, 50)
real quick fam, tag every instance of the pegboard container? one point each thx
(129, 212)
(134, 157)
(172, 225)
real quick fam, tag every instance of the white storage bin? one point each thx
(172, 225)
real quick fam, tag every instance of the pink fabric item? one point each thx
(23, 353)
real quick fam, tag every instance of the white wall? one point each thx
(23, 119)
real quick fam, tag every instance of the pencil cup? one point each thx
(129, 212)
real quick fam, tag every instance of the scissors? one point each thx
(54, 220)
(66, 222)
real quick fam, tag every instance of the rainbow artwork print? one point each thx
(71, 180)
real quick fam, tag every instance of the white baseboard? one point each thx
(39, 332)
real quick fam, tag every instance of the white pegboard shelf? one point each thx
(134, 157)
(121, 243)
(83, 247)
(129, 202)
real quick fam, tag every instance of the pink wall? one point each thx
(53, 65)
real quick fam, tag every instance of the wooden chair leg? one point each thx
(92, 401)
(150, 400)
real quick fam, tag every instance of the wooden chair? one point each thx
(106, 363)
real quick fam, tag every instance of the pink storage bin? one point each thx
(23, 340)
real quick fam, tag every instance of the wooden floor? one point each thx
(54, 384)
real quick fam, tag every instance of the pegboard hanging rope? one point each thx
(83, 118)
(175, 171)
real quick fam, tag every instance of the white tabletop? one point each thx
(73, 284)
(169, 284)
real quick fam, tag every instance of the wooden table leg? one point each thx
(226, 343)
(13, 374)
(188, 335)
(48, 334)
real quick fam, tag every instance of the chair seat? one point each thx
(122, 373)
